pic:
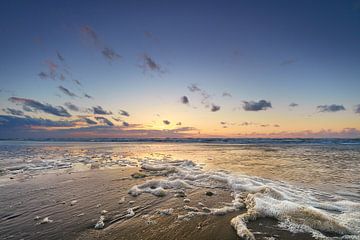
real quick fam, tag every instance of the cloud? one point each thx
(90, 34)
(33, 105)
(276, 125)
(166, 122)
(330, 108)
(357, 108)
(194, 88)
(247, 123)
(110, 54)
(43, 75)
(67, 91)
(178, 124)
(72, 107)
(78, 83)
(256, 106)
(107, 52)
(104, 121)
(184, 100)
(226, 94)
(124, 113)
(293, 105)
(14, 112)
(88, 96)
(12, 127)
(223, 123)
(59, 56)
(99, 110)
(89, 121)
(215, 108)
(150, 64)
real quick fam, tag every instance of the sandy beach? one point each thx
(74, 201)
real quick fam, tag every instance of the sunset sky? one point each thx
(179, 69)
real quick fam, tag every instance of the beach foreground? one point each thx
(74, 201)
(104, 191)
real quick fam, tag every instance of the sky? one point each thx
(138, 69)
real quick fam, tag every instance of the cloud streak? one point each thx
(13, 111)
(67, 91)
(330, 108)
(99, 110)
(32, 105)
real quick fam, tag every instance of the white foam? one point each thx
(296, 209)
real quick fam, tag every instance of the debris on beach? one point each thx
(186, 200)
(46, 220)
(103, 212)
(100, 224)
(165, 212)
(122, 200)
(130, 213)
(73, 202)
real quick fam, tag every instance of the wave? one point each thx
(297, 210)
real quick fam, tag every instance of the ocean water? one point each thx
(287, 179)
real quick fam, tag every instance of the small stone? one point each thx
(186, 200)
(72, 203)
(209, 193)
(138, 175)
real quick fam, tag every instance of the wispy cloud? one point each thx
(107, 52)
(166, 122)
(90, 34)
(89, 121)
(149, 64)
(124, 113)
(357, 108)
(256, 106)
(99, 110)
(59, 56)
(125, 124)
(194, 88)
(88, 96)
(13, 111)
(293, 105)
(226, 94)
(104, 121)
(33, 105)
(330, 108)
(110, 54)
(72, 107)
(67, 91)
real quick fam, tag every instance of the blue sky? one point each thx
(283, 52)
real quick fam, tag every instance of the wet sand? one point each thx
(73, 201)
